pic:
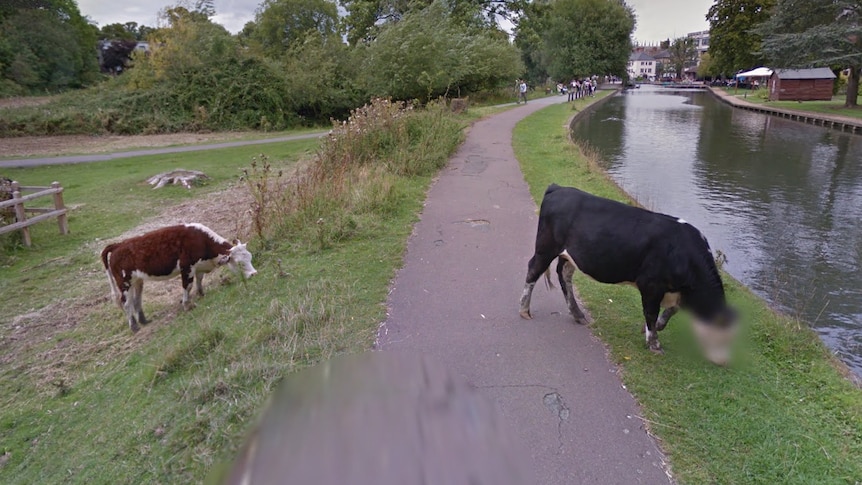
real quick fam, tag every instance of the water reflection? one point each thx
(779, 197)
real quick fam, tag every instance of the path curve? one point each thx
(101, 157)
(456, 301)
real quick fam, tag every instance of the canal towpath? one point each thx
(456, 302)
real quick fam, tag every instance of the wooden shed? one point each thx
(801, 84)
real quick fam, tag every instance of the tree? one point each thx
(366, 17)
(585, 37)
(47, 45)
(428, 54)
(117, 31)
(706, 68)
(280, 24)
(733, 44)
(683, 54)
(809, 33)
(529, 39)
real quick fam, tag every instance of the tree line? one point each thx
(787, 34)
(298, 61)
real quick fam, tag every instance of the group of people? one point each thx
(578, 88)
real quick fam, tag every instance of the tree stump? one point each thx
(179, 176)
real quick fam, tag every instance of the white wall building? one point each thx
(641, 65)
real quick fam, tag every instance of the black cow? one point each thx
(667, 259)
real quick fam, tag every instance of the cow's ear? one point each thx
(235, 242)
(223, 259)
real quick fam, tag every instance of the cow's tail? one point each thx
(548, 283)
(115, 290)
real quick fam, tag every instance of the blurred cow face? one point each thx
(716, 337)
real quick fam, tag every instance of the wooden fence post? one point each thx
(58, 205)
(19, 212)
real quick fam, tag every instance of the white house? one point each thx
(641, 65)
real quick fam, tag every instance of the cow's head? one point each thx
(717, 334)
(238, 260)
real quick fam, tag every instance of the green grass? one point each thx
(781, 413)
(835, 106)
(82, 400)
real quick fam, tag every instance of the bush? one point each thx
(351, 184)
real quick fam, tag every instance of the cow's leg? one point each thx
(187, 286)
(665, 317)
(535, 268)
(565, 271)
(127, 295)
(138, 292)
(199, 283)
(651, 307)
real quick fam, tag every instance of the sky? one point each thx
(657, 20)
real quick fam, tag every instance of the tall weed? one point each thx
(351, 184)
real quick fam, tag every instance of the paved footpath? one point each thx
(456, 301)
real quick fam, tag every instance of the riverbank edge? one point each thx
(839, 365)
(840, 123)
(747, 423)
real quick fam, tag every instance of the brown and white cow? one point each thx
(186, 250)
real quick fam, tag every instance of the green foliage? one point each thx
(707, 67)
(280, 25)
(367, 17)
(810, 33)
(428, 54)
(683, 54)
(45, 45)
(586, 37)
(528, 37)
(733, 44)
(352, 184)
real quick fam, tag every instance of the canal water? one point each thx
(781, 199)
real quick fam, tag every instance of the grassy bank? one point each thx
(781, 413)
(835, 106)
(82, 400)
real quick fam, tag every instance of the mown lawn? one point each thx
(781, 413)
(835, 106)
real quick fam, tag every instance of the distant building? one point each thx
(701, 42)
(641, 65)
(801, 84)
(666, 69)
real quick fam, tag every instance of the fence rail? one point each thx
(22, 223)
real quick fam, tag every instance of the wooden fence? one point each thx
(22, 223)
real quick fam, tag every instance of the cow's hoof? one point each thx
(525, 314)
(581, 320)
(134, 328)
(655, 348)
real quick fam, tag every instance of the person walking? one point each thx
(573, 88)
(522, 92)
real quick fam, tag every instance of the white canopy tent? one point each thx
(759, 72)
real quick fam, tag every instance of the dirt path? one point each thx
(550, 377)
